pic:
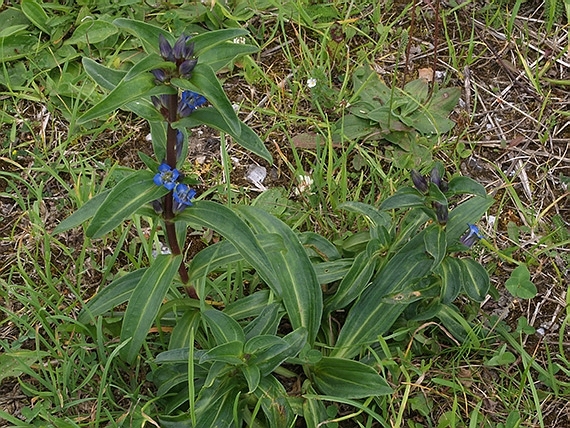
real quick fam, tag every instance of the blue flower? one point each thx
(189, 102)
(183, 196)
(166, 176)
(471, 236)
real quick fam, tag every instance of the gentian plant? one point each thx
(224, 349)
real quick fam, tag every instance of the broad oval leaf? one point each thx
(474, 278)
(125, 198)
(519, 283)
(145, 303)
(346, 378)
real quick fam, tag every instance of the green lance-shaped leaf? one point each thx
(112, 295)
(461, 185)
(252, 375)
(105, 77)
(224, 53)
(92, 31)
(224, 221)
(145, 303)
(224, 252)
(229, 353)
(301, 291)
(125, 198)
(125, 92)
(245, 137)
(376, 217)
(215, 405)
(346, 378)
(354, 283)
(370, 317)
(405, 197)
(435, 245)
(266, 323)
(474, 278)
(223, 327)
(35, 13)
(148, 34)
(205, 82)
(249, 306)
(450, 275)
(276, 349)
(469, 211)
(109, 78)
(84, 213)
(275, 403)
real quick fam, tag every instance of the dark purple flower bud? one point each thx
(189, 49)
(157, 205)
(180, 49)
(419, 181)
(165, 49)
(441, 212)
(179, 141)
(156, 102)
(434, 177)
(159, 74)
(186, 68)
(471, 236)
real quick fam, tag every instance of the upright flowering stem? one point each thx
(168, 200)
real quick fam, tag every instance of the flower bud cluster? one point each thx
(181, 54)
(421, 183)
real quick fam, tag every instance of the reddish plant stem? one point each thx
(168, 200)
